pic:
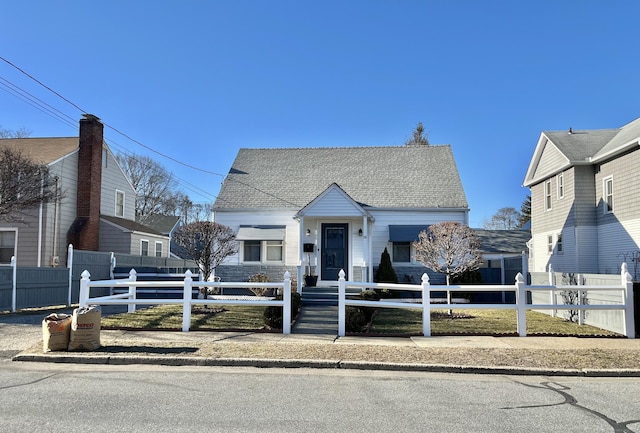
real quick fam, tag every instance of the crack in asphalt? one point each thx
(19, 385)
(562, 390)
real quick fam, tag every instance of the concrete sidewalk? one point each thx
(21, 340)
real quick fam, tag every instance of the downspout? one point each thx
(56, 222)
(40, 230)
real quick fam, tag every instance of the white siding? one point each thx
(333, 203)
(615, 240)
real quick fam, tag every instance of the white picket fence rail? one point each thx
(188, 285)
(521, 306)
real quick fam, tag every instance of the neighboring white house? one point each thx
(96, 211)
(320, 210)
(585, 200)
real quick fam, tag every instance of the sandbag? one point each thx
(85, 329)
(55, 332)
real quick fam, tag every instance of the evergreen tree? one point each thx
(386, 273)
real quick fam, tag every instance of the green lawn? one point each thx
(483, 322)
(170, 317)
(397, 321)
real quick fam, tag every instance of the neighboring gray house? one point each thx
(164, 224)
(327, 209)
(504, 255)
(585, 200)
(96, 212)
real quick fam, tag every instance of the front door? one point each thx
(335, 242)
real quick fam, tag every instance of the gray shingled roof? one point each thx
(383, 177)
(578, 146)
(503, 241)
(581, 145)
(130, 225)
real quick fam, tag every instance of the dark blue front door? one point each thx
(335, 242)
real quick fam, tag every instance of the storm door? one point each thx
(335, 242)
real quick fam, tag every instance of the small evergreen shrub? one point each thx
(386, 273)
(273, 314)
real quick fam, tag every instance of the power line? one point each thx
(136, 141)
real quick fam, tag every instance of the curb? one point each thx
(319, 364)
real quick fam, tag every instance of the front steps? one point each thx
(323, 296)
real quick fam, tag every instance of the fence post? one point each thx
(83, 297)
(426, 305)
(286, 304)
(552, 293)
(133, 276)
(629, 314)
(581, 300)
(14, 284)
(70, 267)
(186, 301)
(521, 304)
(341, 303)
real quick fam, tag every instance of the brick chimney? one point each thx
(84, 234)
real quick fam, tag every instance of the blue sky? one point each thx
(197, 80)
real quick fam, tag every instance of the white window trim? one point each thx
(547, 195)
(559, 247)
(605, 196)
(115, 210)
(560, 185)
(155, 250)
(550, 244)
(141, 242)
(263, 253)
(15, 243)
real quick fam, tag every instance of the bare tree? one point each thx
(507, 218)
(450, 248)
(24, 185)
(19, 133)
(208, 243)
(155, 186)
(418, 136)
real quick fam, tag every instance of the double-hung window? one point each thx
(262, 244)
(144, 247)
(158, 249)
(401, 252)
(608, 194)
(7, 246)
(560, 181)
(547, 195)
(119, 204)
(263, 251)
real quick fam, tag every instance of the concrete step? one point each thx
(317, 319)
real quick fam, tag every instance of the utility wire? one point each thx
(138, 142)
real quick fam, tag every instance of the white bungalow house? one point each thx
(585, 201)
(319, 210)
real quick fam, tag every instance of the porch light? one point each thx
(309, 232)
(360, 232)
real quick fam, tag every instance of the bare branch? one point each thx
(24, 185)
(208, 243)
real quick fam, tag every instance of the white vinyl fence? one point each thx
(188, 285)
(624, 290)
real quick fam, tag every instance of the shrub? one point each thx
(259, 278)
(386, 273)
(273, 314)
(355, 319)
(368, 295)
